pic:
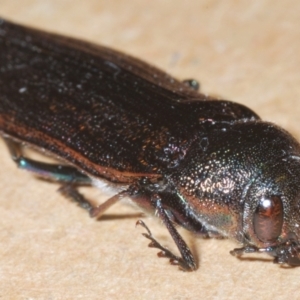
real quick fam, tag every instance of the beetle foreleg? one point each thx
(238, 252)
(287, 252)
(186, 262)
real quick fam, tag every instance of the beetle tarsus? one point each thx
(186, 262)
(238, 252)
(287, 252)
(174, 259)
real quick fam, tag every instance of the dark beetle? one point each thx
(211, 166)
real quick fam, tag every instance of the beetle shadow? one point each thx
(265, 260)
(250, 259)
(288, 267)
(110, 217)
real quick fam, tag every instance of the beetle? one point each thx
(209, 165)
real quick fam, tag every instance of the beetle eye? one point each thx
(268, 219)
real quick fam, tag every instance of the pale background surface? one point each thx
(51, 249)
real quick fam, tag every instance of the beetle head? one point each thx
(271, 214)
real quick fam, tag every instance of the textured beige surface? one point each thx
(246, 52)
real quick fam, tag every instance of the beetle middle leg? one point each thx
(174, 259)
(69, 191)
(150, 202)
(186, 261)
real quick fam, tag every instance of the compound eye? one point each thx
(268, 219)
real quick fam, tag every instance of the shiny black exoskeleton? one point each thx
(211, 166)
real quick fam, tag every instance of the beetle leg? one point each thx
(192, 83)
(238, 252)
(186, 262)
(69, 191)
(55, 172)
(155, 244)
(69, 176)
(287, 252)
